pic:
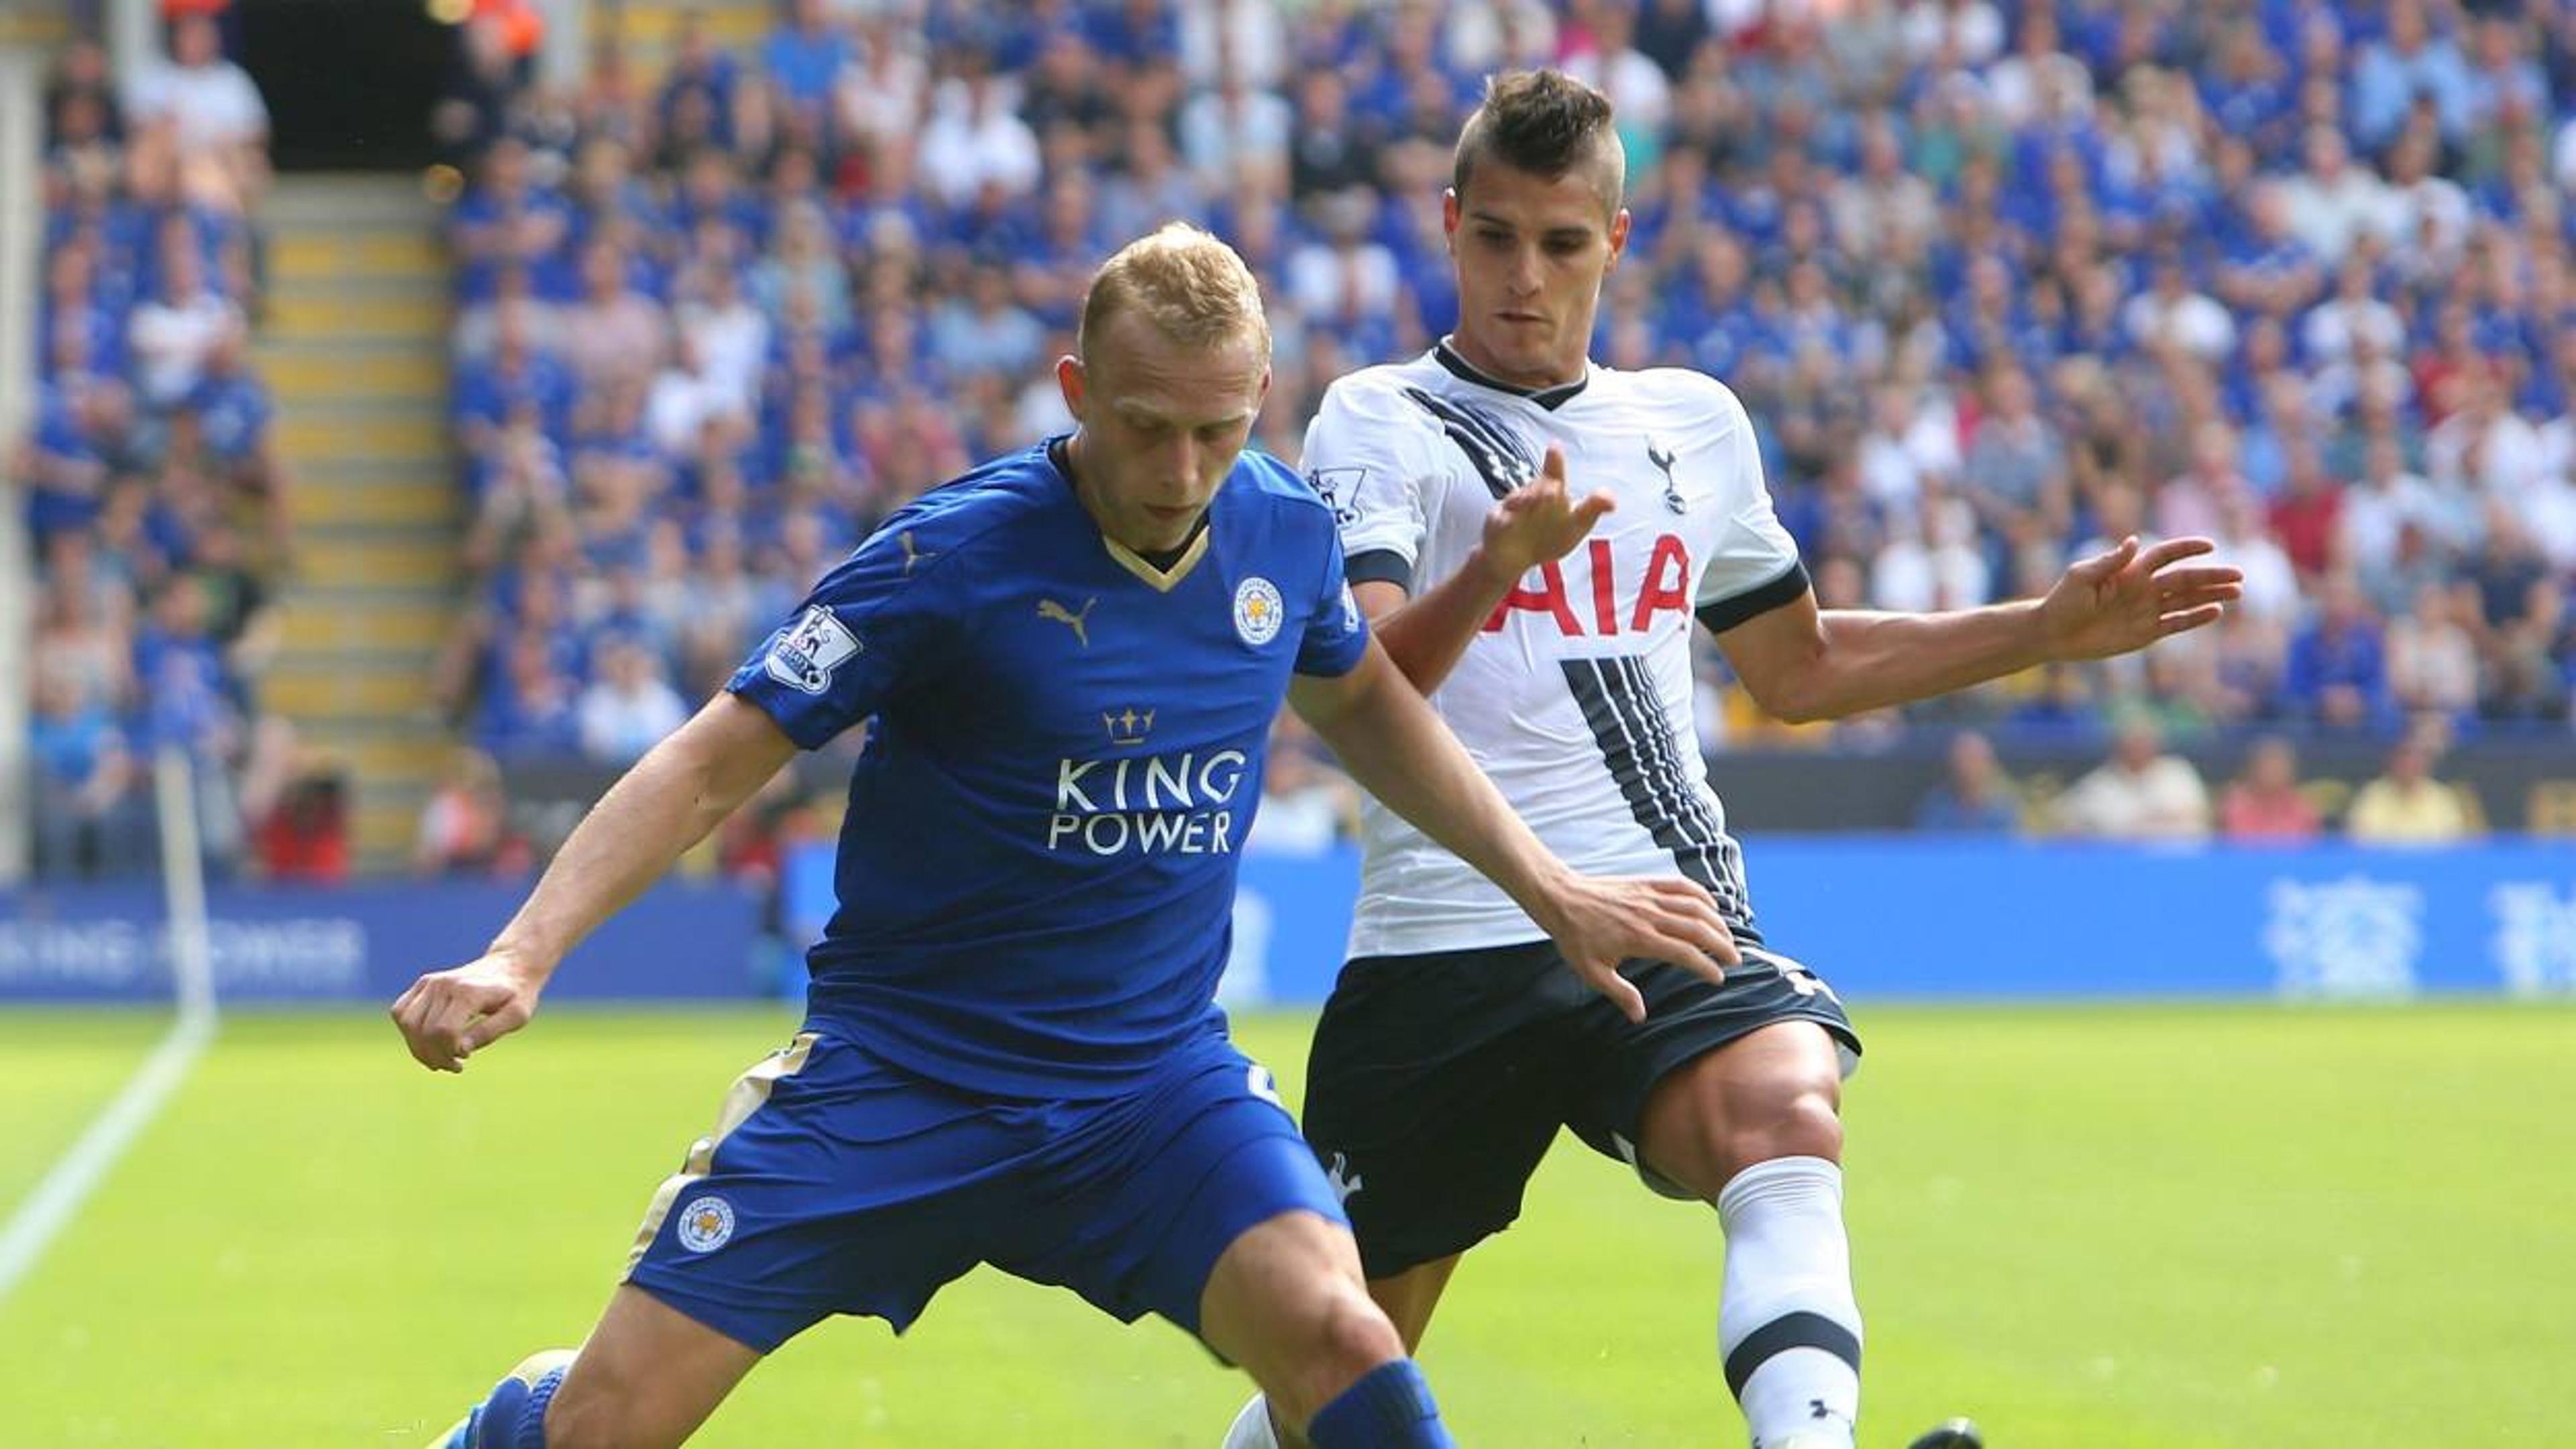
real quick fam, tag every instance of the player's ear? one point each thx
(1070, 380)
(1261, 394)
(1449, 215)
(1618, 237)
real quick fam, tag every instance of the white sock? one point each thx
(1252, 1427)
(1789, 1327)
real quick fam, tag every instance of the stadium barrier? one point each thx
(681, 940)
(1879, 917)
(1922, 917)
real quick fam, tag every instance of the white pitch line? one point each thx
(50, 1208)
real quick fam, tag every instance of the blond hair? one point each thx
(1191, 286)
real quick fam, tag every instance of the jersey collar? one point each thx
(1550, 398)
(1154, 575)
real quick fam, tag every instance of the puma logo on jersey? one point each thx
(1078, 623)
(1664, 461)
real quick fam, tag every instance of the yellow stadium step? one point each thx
(436, 504)
(40, 27)
(346, 686)
(365, 757)
(316, 622)
(356, 353)
(350, 316)
(327, 439)
(374, 562)
(345, 372)
(383, 831)
(325, 255)
(651, 32)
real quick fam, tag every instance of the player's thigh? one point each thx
(833, 1184)
(1434, 1086)
(1143, 1194)
(1720, 1076)
(647, 1377)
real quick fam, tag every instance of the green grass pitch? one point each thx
(2092, 1228)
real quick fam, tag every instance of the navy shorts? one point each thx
(837, 1183)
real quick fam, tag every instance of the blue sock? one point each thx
(513, 1416)
(1389, 1408)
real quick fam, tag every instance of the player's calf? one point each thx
(1287, 1303)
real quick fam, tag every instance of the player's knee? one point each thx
(1800, 1123)
(1347, 1336)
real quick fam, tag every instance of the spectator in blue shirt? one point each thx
(2337, 674)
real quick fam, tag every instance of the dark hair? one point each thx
(1544, 122)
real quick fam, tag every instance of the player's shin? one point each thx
(1790, 1328)
(513, 1415)
(1389, 1407)
(1251, 1429)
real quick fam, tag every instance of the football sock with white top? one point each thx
(1789, 1325)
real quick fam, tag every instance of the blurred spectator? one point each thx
(210, 104)
(1306, 807)
(1976, 797)
(91, 816)
(629, 708)
(2337, 674)
(2265, 803)
(175, 333)
(2433, 655)
(2406, 805)
(465, 829)
(296, 802)
(2140, 793)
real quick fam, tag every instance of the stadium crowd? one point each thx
(154, 501)
(1999, 283)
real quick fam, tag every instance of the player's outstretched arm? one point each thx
(1805, 664)
(684, 788)
(1399, 751)
(1541, 523)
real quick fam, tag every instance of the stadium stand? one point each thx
(2000, 282)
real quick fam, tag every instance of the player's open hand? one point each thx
(2133, 596)
(447, 1016)
(1541, 521)
(1599, 922)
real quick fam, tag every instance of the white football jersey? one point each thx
(1576, 697)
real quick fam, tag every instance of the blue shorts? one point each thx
(836, 1183)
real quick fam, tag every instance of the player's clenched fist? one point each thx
(1599, 922)
(447, 1016)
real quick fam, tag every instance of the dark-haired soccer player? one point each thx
(1554, 637)
(1073, 657)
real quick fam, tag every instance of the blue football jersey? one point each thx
(1037, 871)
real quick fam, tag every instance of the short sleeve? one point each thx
(1754, 565)
(1337, 634)
(1367, 454)
(853, 642)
